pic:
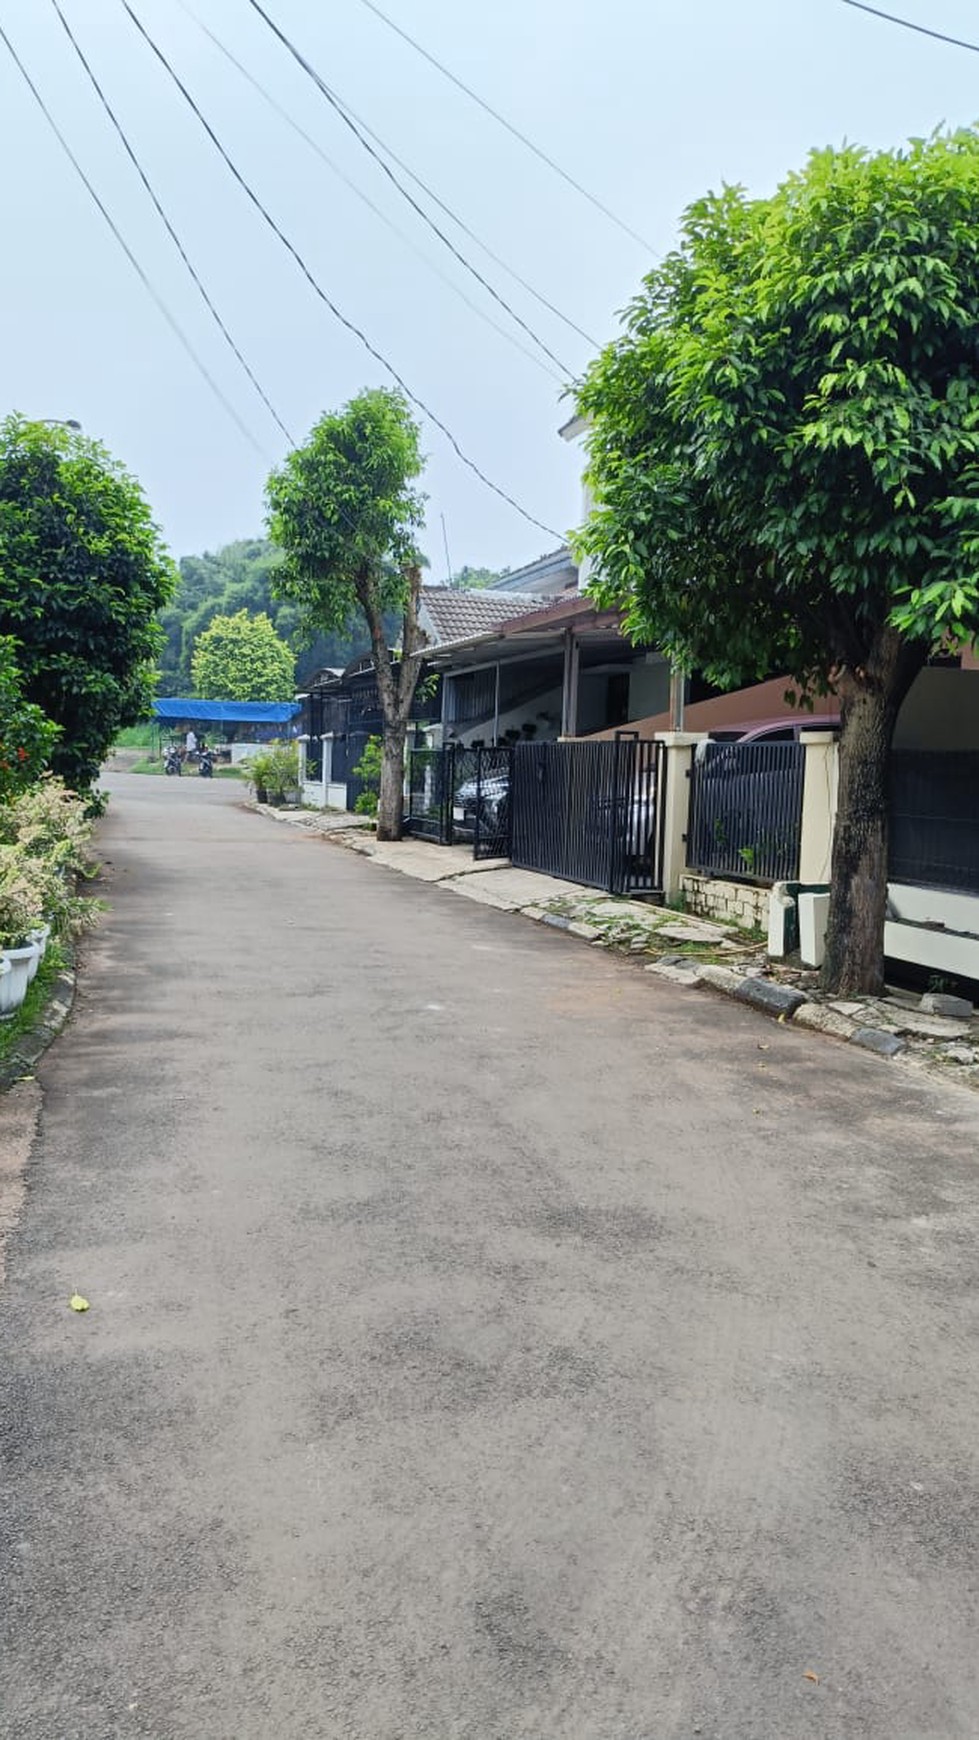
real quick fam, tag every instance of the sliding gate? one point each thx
(591, 812)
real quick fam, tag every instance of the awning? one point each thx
(180, 708)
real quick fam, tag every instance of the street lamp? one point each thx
(71, 423)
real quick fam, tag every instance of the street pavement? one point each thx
(488, 1340)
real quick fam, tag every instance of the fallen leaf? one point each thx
(763, 1045)
(809, 1675)
(77, 1303)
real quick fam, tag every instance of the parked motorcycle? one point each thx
(205, 764)
(173, 762)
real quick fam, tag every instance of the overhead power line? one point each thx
(178, 244)
(908, 24)
(346, 117)
(425, 188)
(366, 200)
(488, 109)
(317, 288)
(150, 289)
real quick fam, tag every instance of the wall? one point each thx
(731, 902)
(941, 712)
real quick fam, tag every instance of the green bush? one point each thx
(368, 769)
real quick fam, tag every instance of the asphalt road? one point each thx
(487, 1341)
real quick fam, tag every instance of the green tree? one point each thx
(474, 579)
(241, 658)
(784, 453)
(27, 736)
(344, 511)
(83, 573)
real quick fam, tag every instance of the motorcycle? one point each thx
(173, 762)
(205, 764)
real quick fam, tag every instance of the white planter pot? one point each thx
(42, 936)
(7, 1005)
(19, 977)
(40, 940)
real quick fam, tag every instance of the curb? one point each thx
(34, 1043)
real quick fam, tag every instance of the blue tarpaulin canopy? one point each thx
(180, 708)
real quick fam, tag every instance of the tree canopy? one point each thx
(345, 511)
(83, 573)
(241, 658)
(783, 454)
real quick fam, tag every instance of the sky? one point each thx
(645, 103)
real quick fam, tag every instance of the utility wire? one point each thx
(503, 122)
(346, 117)
(175, 328)
(429, 193)
(366, 200)
(178, 244)
(318, 288)
(921, 29)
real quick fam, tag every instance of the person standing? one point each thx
(190, 742)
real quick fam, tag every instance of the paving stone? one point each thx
(925, 1026)
(589, 932)
(696, 933)
(875, 1039)
(960, 1054)
(822, 1019)
(847, 1008)
(768, 995)
(939, 1003)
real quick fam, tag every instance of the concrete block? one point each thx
(875, 1039)
(822, 1019)
(939, 1003)
(721, 978)
(772, 998)
(813, 919)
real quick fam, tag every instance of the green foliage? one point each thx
(83, 574)
(368, 769)
(241, 658)
(14, 1027)
(274, 770)
(785, 440)
(44, 839)
(474, 579)
(27, 737)
(344, 511)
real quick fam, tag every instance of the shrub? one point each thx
(275, 770)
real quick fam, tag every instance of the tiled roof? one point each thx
(448, 615)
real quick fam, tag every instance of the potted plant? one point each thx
(21, 912)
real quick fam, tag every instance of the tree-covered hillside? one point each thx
(222, 582)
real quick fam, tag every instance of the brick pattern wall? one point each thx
(733, 902)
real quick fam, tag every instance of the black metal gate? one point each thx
(591, 812)
(460, 796)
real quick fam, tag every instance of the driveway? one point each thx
(487, 1342)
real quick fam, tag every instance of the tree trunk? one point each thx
(390, 808)
(871, 699)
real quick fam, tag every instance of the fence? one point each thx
(746, 810)
(587, 812)
(934, 823)
(590, 812)
(461, 796)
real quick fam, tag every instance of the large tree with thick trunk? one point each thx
(784, 455)
(344, 510)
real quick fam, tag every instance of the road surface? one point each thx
(487, 1342)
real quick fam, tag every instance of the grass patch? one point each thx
(136, 737)
(13, 1030)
